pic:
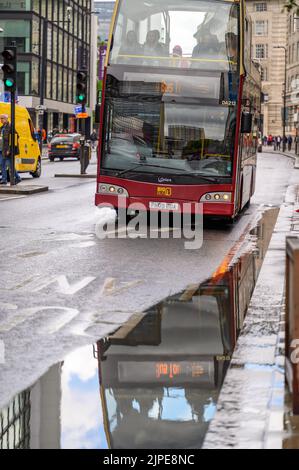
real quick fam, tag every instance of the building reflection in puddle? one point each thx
(159, 377)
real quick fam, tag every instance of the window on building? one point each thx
(264, 74)
(18, 31)
(293, 53)
(261, 51)
(261, 28)
(262, 6)
(294, 23)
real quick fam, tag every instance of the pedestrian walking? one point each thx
(290, 143)
(270, 140)
(5, 150)
(275, 143)
(93, 139)
(285, 141)
(278, 142)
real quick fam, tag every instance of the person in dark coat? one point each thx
(5, 150)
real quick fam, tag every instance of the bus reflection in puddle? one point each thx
(159, 377)
(160, 382)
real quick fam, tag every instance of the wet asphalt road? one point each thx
(62, 288)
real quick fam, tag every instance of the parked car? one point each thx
(64, 146)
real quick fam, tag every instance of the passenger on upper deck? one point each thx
(178, 60)
(131, 46)
(207, 44)
(152, 46)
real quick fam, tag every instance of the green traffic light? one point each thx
(81, 97)
(9, 83)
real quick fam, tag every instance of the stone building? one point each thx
(269, 23)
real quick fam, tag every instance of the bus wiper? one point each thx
(182, 172)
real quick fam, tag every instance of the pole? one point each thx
(43, 75)
(285, 100)
(13, 129)
(82, 123)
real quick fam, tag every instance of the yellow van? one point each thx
(29, 159)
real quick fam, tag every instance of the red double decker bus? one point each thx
(181, 107)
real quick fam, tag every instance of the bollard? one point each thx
(82, 156)
(292, 320)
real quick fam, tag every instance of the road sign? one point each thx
(78, 109)
(82, 115)
(40, 107)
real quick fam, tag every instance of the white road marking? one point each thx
(64, 287)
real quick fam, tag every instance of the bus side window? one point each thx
(247, 44)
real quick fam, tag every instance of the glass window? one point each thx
(36, 6)
(23, 78)
(55, 44)
(261, 6)
(178, 123)
(261, 51)
(54, 82)
(60, 84)
(261, 28)
(18, 31)
(24, 5)
(264, 74)
(35, 77)
(35, 36)
(49, 81)
(177, 33)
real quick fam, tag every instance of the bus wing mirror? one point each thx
(246, 125)
(97, 114)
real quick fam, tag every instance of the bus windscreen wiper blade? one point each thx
(182, 172)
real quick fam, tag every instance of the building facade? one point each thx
(269, 23)
(292, 114)
(70, 42)
(104, 12)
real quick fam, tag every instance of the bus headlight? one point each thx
(113, 190)
(217, 197)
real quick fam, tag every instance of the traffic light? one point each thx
(9, 68)
(81, 90)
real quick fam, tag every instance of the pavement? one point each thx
(291, 154)
(251, 410)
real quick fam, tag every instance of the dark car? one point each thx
(64, 146)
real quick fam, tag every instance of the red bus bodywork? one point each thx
(241, 188)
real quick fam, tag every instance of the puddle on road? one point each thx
(155, 382)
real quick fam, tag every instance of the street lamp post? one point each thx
(284, 96)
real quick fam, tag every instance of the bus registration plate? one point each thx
(164, 206)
